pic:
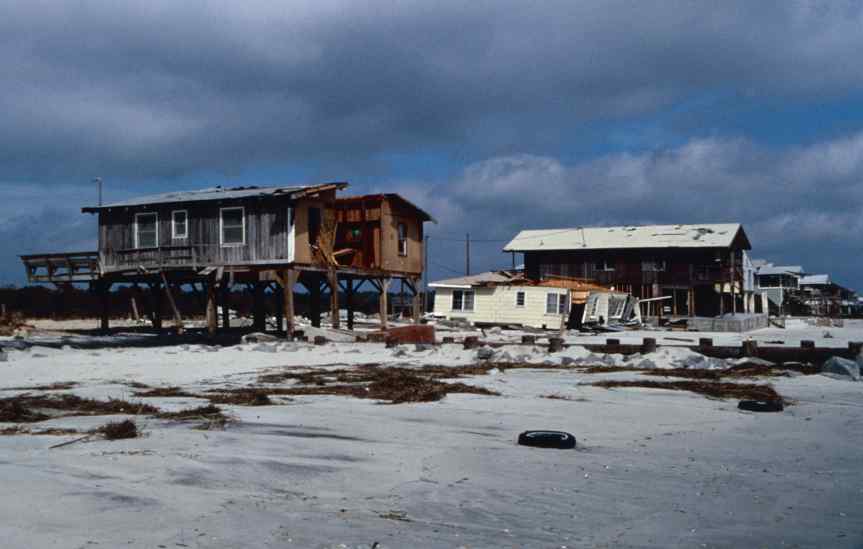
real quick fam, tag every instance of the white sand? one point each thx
(654, 468)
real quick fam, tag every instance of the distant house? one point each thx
(507, 298)
(778, 282)
(703, 269)
(824, 297)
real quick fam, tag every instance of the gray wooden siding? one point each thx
(266, 235)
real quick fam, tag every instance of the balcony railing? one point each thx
(152, 258)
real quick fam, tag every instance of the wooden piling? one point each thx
(750, 348)
(555, 344)
(104, 296)
(333, 281)
(259, 320)
(212, 312)
(314, 288)
(349, 301)
(178, 318)
(288, 280)
(648, 345)
(383, 302)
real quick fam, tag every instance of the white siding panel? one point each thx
(496, 305)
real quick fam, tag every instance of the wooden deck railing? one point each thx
(153, 258)
(62, 267)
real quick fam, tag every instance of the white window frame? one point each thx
(402, 241)
(523, 297)
(291, 231)
(606, 268)
(562, 304)
(222, 227)
(135, 232)
(551, 303)
(654, 266)
(174, 234)
(463, 294)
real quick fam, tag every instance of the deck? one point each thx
(62, 267)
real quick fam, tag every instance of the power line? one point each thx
(489, 240)
(444, 267)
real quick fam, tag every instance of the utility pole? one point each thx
(98, 181)
(467, 255)
(426, 275)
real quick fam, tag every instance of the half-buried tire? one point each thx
(761, 405)
(547, 439)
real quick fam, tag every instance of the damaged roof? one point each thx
(780, 269)
(815, 280)
(218, 193)
(479, 279)
(709, 235)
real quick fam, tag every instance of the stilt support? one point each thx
(333, 282)
(212, 312)
(383, 302)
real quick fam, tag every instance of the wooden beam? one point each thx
(178, 319)
(288, 279)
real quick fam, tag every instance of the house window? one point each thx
(179, 224)
(146, 230)
(403, 239)
(653, 266)
(233, 226)
(550, 304)
(462, 300)
(519, 299)
(604, 265)
(561, 304)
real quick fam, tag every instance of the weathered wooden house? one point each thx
(254, 235)
(703, 269)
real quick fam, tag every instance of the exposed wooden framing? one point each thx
(178, 318)
(360, 283)
(374, 283)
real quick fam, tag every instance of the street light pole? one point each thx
(98, 181)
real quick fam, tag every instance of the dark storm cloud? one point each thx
(153, 89)
(798, 205)
(143, 91)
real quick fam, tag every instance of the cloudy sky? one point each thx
(495, 116)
